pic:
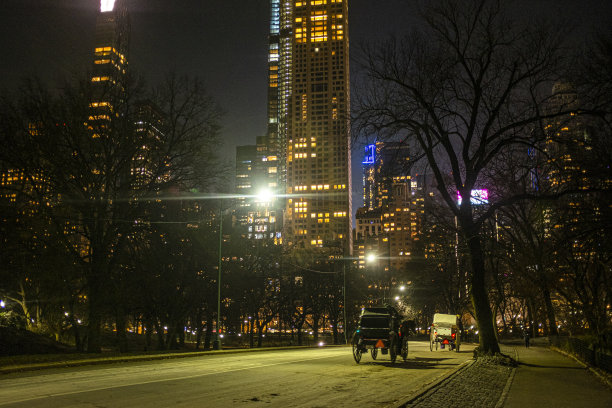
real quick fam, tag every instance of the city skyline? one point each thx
(168, 37)
(438, 189)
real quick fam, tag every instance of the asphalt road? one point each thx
(325, 377)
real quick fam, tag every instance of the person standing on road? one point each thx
(526, 337)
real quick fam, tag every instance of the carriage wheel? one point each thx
(374, 353)
(357, 353)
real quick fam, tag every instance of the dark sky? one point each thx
(224, 42)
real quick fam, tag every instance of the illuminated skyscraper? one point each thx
(390, 223)
(312, 110)
(258, 219)
(110, 60)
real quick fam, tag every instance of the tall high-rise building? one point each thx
(383, 163)
(255, 173)
(390, 223)
(312, 105)
(110, 60)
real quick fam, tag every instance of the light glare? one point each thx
(265, 196)
(107, 5)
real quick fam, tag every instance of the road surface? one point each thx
(323, 377)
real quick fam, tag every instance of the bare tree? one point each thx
(462, 90)
(89, 172)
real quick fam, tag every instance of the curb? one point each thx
(433, 385)
(506, 390)
(606, 379)
(129, 359)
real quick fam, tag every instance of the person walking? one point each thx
(526, 337)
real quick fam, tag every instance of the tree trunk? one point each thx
(251, 330)
(550, 312)
(120, 324)
(209, 329)
(299, 336)
(181, 334)
(161, 344)
(480, 299)
(94, 320)
(147, 326)
(95, 296)
(335, 332)
(315, 328)
(259, 334)
(198, 321)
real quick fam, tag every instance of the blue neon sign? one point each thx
(370, 154)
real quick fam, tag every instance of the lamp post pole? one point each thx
(217, 341)
(344, 301)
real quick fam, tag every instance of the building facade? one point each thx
(110, 62)
(390, 224)
(257, 217)
(318, 180)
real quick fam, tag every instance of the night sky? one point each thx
(224, 42)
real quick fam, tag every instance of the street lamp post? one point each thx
(262, 196)
(217, 341)
(344, 300)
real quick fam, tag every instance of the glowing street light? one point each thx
(371, 258)
(264, 196)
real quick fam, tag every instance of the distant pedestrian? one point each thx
(526, 338)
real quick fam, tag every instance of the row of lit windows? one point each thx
(101, 104)
(316, 2)
(99, 117)
(103, 51)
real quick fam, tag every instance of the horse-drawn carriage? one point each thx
(381, 328)
(445, 332)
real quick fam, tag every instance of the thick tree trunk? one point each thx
(480, 298)
(550, 312)
(94, 320)
(96, 284)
